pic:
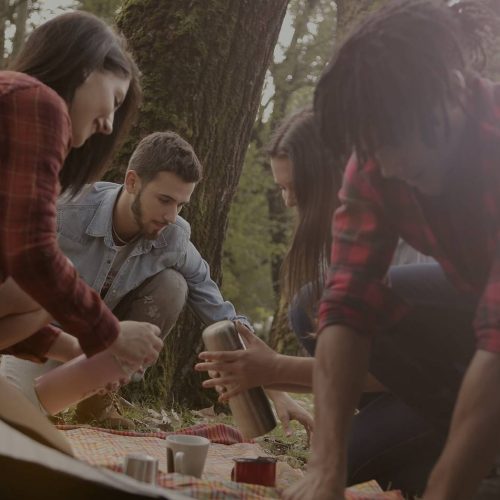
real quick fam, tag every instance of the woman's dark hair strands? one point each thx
(61, 53)
(316, 180)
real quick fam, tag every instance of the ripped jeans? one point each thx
(158, 300)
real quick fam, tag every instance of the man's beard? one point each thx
(136, 209)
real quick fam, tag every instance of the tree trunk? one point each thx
(4, 15)
(21, 19)
(204, 63)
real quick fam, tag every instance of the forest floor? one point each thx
(292, 449)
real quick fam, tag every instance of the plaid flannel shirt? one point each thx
(34, 141)
(460, 228)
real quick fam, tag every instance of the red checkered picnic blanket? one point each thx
(107, 448)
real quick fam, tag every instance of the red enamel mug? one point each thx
(260, 470)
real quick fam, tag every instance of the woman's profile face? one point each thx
(282, 169)
(93, 107)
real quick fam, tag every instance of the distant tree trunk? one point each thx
(21, 18)
(204, 63)
(4, 15)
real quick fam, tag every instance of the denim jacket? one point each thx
(85, 236)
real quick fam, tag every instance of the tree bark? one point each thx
(204, 63)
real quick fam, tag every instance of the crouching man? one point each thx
(129, 243)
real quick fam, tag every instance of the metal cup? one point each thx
(142, 467)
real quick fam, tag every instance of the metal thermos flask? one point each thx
(251, 409)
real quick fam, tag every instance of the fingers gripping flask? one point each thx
(251, 409)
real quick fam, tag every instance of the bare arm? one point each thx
(260, 365)
(473, 440)
(342, 362)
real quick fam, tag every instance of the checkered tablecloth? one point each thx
(107, 448)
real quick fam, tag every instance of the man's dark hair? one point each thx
(165, 152)
(393, 73)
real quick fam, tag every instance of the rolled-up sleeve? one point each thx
(204, 296)
(363, 243)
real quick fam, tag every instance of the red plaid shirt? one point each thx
(460, 229)
(35, 138)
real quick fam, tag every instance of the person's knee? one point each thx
(165, 298)
(169, 290)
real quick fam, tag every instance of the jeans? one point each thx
(397, 437)
(159, 300)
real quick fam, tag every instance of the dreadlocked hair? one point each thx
(392, 75)
(316, 181)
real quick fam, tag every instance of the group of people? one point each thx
(88, 265)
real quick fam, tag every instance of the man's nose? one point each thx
(171, 214)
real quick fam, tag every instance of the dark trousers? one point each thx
(397, 437)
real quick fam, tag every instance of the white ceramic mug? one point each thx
(186, 454)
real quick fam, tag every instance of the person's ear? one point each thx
(132, 182)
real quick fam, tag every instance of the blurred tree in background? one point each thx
(313, 27)
(305, 45)
(14, 24)
(105, 9)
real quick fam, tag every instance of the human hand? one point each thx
(288, 409)
(64, 348)
(242, 369)
(137, 346)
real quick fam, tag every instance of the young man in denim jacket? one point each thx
(129, 243)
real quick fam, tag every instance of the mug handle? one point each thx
(179, 462)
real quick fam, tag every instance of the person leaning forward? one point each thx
(425, 130)
(69, 98)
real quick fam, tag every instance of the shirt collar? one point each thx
(100, 225)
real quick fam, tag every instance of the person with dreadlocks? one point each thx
(402, 93)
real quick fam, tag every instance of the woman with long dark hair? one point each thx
(404, 447)
(309, 180)
(66, 103)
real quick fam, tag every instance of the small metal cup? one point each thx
(142, 467)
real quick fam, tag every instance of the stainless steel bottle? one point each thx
(251, 409)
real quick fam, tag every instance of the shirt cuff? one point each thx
(104, 334)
